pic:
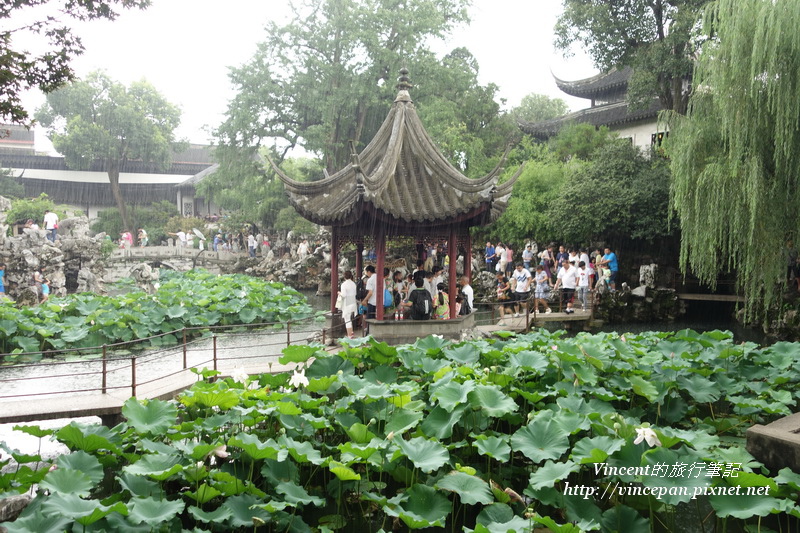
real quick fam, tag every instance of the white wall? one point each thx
(639, 132)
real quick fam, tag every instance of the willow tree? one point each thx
(736, 155)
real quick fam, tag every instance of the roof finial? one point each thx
(402, 82)
(403, 85)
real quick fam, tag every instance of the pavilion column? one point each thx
(468, 256)
(452, 251)
(380, 246)
(334, 267)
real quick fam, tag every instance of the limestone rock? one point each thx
(640, 291)
(647, 275)
(12, 507)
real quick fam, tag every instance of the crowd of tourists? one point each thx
(419, 295)
(572, 273)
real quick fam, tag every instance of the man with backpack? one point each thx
(419, 302)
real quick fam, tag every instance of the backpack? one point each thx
(388, 299)
(465, 308)
(361, 290)
(421, 304)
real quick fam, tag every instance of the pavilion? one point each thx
(400, 186)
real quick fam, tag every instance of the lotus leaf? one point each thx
(153, 511)
(452, 394)
(216, 516)
(622, 519)
(257, 449)
(150, 417)
(84, 512)
(550, 473)
(204, 493)
(67, 481)
(425, 507)
(540, 440)
(595, 449)
(37, 523)
(403, 420)
(491, 400)
(88, 438)
(427, 455)
(470, 489)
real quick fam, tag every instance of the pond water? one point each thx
(702, 317)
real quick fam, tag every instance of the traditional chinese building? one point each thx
(400, 187)
(608, 94)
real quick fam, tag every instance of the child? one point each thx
(2, 281)
(542, 289)
(442, 303)
(45, 290)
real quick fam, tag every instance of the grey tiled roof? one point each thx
(605, 115)
(596, 85)
(400, 175)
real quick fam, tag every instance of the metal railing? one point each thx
(110, 367)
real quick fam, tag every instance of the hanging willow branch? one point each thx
(736, 155)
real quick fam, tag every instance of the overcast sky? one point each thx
(184, 48)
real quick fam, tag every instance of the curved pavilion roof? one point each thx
(400, 177)
(596, 85)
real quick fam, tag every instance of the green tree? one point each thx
(99, 119)
(153, 219)
(655, 37)
(326, 77)
(622, 194)
(581, 141)
(735, 157)
(258, 197)
(49, 67)
(526, 216)
(539, 107)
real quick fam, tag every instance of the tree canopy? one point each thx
(99, 119)
(327, 77)
(655, 37)
(49, 67)
(539, 107)
(735, 156)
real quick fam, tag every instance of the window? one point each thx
(657, 138)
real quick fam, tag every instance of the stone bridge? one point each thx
(122, 261)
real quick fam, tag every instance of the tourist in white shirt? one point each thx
(584, 283)
(469, 294)
(51, 225)
(348, 292)
(567, 279)
(522, 290)
(371, 299)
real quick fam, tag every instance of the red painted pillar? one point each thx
(468, 256)
(359, 273)
(452, 251)
(380, 250)
(334, 267)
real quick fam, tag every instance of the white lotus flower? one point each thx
(299, 379)
(648, 435)
(239, 375)
(221, 451)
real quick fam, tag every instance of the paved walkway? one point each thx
(67, 390)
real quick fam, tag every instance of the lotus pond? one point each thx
(595, 432)
(193, 299)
